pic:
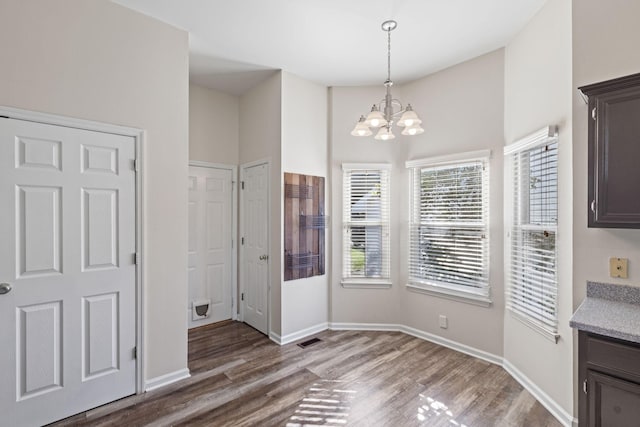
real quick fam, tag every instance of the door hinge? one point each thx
(593, 113)
(136, 165)
(243, 185)
(231, 243)
(135, 258)
(135, 352)
(584, 386)
(242, 296)
(242, 240)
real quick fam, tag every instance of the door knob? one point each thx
(5, 288)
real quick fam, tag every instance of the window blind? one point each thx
(365, 253)
(448, 242)
(532, 284)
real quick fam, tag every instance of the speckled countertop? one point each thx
(610, 310)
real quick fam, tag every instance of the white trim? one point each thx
(454, 345)
(565, 418)
(365, 283)
(480, 354)
(449, 158)
(243, 167)
(295, 336)
(534, 139)
(166, 379)
(339, 326)
(139, 137)
(275, 337)
(365, 166)
(141, 331)
(451, 294)
(57, 120)
(234, 228)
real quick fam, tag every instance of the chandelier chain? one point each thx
(389, 54)
(385, 114)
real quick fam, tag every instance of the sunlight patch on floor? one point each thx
(325, 404)
(430, 408)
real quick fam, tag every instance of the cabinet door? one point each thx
(612, 402)
(614, 150)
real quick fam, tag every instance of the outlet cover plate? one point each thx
(619, 267)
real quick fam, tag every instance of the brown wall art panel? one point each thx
(304, 226)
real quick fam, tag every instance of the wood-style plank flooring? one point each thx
(352, 378)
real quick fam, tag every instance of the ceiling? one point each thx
(235, 44)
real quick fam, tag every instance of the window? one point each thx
(448, 230)
(365, 249)
(532, 280)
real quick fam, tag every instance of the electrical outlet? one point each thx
(618, 267)
(443, 322)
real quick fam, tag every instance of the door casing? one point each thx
(234, 228)
(139, 137)
(244, 166)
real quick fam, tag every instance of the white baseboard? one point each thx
(454, 345)
(565, 418)
(275, 338)
(365, 327)
(551, 405)
(295, 336)
(166, 379)
(480, 354)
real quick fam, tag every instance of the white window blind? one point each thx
(449, 227)
(533, 286)
(365, 251)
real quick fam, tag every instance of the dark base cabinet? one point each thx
(609, 374)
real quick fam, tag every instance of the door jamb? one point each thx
(234, 227)
(266, 161)
(139, 136)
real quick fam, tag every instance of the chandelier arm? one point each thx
(388, 109)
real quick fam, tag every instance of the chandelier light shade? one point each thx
(384, 134)
(361, 128)
(384, 113)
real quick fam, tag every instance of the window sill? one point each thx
(365, 283)
(451, 294)
(535, 327)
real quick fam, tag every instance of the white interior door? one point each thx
(67, 227)
(210, 239)
(255, 248)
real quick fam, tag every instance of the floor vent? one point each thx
(307, 343)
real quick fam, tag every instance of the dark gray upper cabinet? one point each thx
(614, 152)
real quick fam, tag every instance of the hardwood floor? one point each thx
(350, 378)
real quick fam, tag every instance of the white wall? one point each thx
(346, 104)
(100, 61)
(213, 126)
(610, 52)
(260, 136)
(605, 46)
(538, 93)
(304, 151)
(462, 110)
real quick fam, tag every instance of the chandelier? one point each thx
(384, 113)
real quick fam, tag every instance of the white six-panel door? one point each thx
(255, 249)
(67, 227)
(210, 239)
